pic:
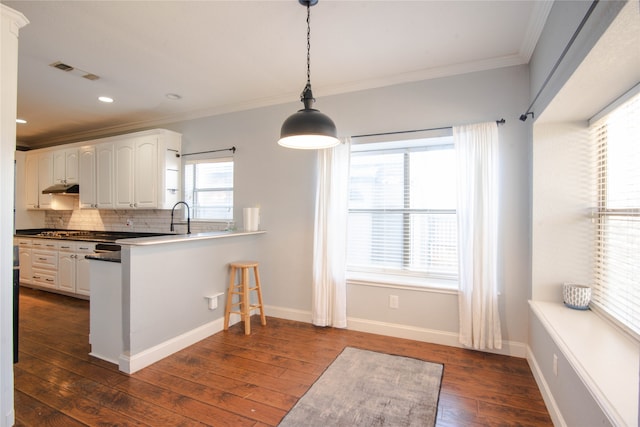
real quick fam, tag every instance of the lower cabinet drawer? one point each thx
(45, 259)
(45, 278)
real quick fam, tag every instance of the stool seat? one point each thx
(243, 289)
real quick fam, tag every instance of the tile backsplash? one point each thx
(141, 221)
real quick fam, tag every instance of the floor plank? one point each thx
(230, 379)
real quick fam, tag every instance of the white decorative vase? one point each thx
(576, 296)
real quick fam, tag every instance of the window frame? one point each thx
(190, 198)
(438, 139)
(606, 295)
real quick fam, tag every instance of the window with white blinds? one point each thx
(209, 188)
(616, 290)
(402, 212)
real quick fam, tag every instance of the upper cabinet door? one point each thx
(87, 177)
(146, 172)
(72, 166)
(124, 164)
(104, 175)
(45, 178)
(31, 183)
(65, 166)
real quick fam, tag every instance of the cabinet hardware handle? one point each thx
(42, 259)
(49, 280)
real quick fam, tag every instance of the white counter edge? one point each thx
(181, 238)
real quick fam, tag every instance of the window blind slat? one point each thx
(402, 218)
(616, 288)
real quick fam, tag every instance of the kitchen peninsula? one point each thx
(167, 282)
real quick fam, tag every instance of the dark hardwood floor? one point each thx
(230, 379)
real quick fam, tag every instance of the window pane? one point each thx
(433, 180)
(402, 220)
(214, 175)
(616, 290)
(209, 189)
(376, 180)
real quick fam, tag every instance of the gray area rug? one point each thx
(366, 388)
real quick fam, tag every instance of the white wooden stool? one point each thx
(243, 306)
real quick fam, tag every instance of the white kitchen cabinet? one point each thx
(87, 177)
(136, 173)
(105, 168)
(44, 262)
(25, 259)
(83, 284)
(124, 174)
(65, 166)
(45, 178)
(38, 176)
(141, 170)
(31, 183)
(73, 268)
(147, 170)
(67, 267)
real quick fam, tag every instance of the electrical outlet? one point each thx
(129, 222)
(555, 365)
(393, 301)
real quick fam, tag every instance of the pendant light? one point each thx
(308, 128)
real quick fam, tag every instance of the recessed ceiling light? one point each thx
(105, 99)
(21, 121)
(173, 96)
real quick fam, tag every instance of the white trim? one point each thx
(545, 390)
(603, 358)
(510, 348)
(133, 363)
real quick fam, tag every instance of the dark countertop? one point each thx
(112, 256)
(88, 235)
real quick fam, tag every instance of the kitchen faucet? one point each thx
(188, 216)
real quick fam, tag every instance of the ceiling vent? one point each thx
(76, 71)
(61, 66)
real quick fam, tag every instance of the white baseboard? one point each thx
(547, 396)
(510, 348)
(131, 363)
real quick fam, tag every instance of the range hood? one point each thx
(71, 189)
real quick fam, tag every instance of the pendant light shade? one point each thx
(308, 129)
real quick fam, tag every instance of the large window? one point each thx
(209, 189)
(617, 257)
(402, 212)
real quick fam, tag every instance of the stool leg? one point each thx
(227, 311)
(263, 319)
(246, 307)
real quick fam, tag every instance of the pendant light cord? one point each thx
(307, 96)
(308, 44)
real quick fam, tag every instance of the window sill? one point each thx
(402, 282)
(605, 359)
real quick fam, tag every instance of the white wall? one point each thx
(282, 182)
(563, 192)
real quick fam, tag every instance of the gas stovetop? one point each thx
(97, 236)
(63, 233)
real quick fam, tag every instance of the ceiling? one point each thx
(225, 56)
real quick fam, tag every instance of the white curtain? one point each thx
(477, 163)
(329, 304)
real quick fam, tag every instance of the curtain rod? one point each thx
(232, 149)
(498, 122)
(523, 116)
